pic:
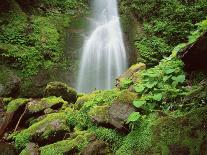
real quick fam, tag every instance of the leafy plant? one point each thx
(133, 117)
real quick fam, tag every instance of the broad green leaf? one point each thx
(157, 97)
(151, 84)
(126, 81)
(179, 79)
(133, 117)
(169, 71)
(139, 103)
(139, 88)
(165, 78)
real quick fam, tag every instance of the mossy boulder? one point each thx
(60, 89)
(168, 135)
(99, 114)
(15, 104)
(121, 108)
(52, 102)
(70, 146)
(50, 129)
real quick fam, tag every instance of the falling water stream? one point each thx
(104, 55)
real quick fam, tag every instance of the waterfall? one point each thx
(104, 55)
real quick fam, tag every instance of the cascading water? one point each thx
(104, 56)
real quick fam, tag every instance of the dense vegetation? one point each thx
(165, 24)
(157, 110)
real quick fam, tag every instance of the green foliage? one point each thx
(133, 117)
(36, 41)
(124, 83)
(67, 6)
(161, 83)
(166, 24)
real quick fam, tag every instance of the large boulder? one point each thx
(60, 89)
(9, 83)
(116, 114)
(121, 108)
(48, 130)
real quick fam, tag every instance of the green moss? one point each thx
(46, 103)
(156, 134)
(65, 146)
(61, 89)
(100, 112)
(126, 97)
(42, 129)
(98, 98)
(15, 104)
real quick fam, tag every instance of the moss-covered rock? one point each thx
(50, 129)
(99, 114)
(121, 108)
(61, 89)
(184, 134)
(129, 77)
(69, 146)
(53, 102)
(31, 149)
(16, 103)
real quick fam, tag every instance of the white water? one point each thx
(104, 55)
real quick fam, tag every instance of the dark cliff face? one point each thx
(195, 55)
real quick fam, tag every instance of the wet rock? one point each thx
(7, 149)
(60, 89)
(96, 148)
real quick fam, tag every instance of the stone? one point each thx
(121, 108)
(50, 129)
(130, 74)
(31, 149)
(194, 55)
(96, 148)
(9, 83)
(7, 149)
(60, 89)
